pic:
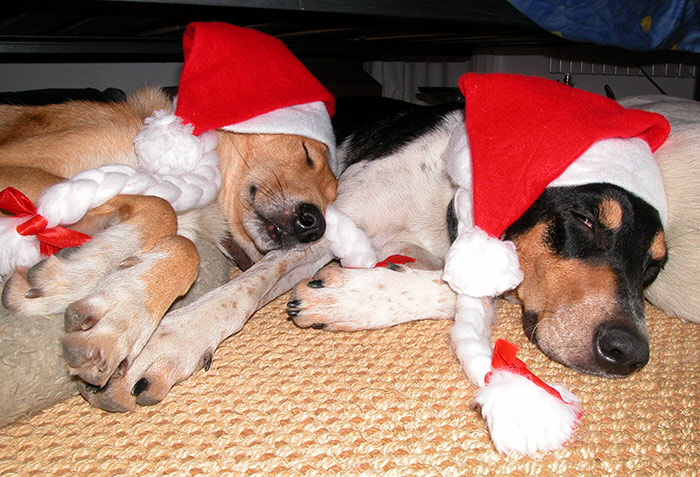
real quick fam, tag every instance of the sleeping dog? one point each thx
(244, 167)
(115, 289)
(587, 252)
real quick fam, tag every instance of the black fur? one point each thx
(567, 210)
(574, 230)
(377, 127)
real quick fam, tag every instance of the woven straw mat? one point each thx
(279, 400)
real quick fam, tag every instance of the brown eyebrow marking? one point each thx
(610, 213)
(658, 246)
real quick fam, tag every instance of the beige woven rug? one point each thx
(279, 400)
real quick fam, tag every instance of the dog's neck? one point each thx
(236, 253)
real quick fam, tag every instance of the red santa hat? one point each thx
(242, 80)
(524, 132)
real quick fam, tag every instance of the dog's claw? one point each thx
(318, 326)
(293, 303)
(315, 284)
(292, 313)
(94, 389)
(140, 386)
(73, 320)
(207, 361)
(32, 293)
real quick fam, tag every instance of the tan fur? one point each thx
(658, 246)
(610, 213)
(171, 278)
(570, 298)
(277, 166)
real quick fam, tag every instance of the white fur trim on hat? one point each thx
(309, 120)
(627, 163)
(477, 264)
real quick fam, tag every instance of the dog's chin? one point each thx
(267, 236)
(581, 364)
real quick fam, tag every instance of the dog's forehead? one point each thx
(610, 213)
(658, 246)
(633, 220)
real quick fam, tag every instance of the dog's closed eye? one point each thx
(650, 272)
(584, 220)
(309, 161)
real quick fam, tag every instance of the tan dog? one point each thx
(116, 288)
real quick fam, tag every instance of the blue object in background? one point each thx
(630, 24)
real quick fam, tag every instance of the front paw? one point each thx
(50, 285)
(344, 299)
(106, 329)
(173, 353)
(53, 283)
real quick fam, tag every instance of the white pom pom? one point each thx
(480, 265)
(524, 418)
(16, 250)
(165, 145)
(350, 244)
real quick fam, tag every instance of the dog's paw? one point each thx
(525, 419)
(344, 299)
(72, 273)
(49, 286)
(108, 327)
(113, 323)
(173, 353)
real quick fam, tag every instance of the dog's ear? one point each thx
(330, 188)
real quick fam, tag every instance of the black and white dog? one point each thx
(587, 252)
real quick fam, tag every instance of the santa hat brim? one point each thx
(309, 120)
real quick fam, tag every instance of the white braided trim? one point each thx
(176, 166)
(348, 242)
(16, 250)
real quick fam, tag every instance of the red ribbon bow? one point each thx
(396, 260)
(504, 359)
(51, 240)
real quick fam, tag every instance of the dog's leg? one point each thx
(115, 288)
(186, 338)
(356, 299)
(113, 323)
(122, 227)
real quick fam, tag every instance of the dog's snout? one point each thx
(309, 225)
(620, 350)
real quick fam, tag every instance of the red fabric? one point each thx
(504, 359)
(524, 131)
(232, 74)
(50, 240)
(395, 259)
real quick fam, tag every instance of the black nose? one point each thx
(620, 350)
(309, 225)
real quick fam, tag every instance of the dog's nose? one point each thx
(620, 350)
(309, 224)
